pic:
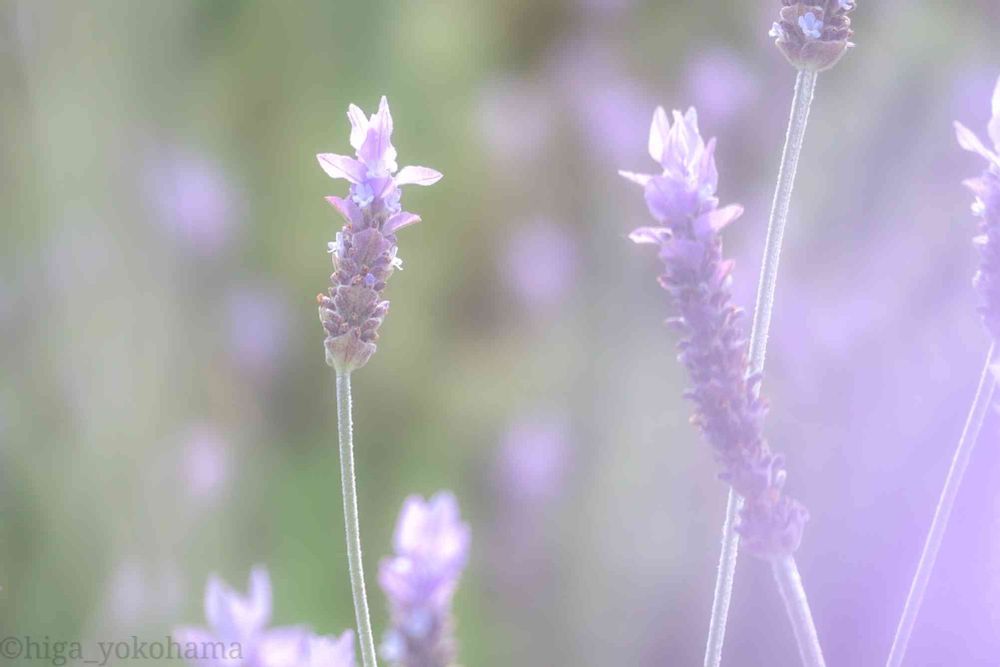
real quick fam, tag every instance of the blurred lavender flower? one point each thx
(533, 458)
(986, 188)
(364, 253)
(240, 623)
(722, 84)
(325, 651)
(205, 463)
(514, 119)
(814, 35)
(601, 94)
(258, 330)
(192, 200)
(727, 410)
(432, 546)
(539, 263)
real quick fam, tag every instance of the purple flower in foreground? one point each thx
(364, 252)
(238, 635)
(986, 188)
(432, 546)
(713, 350)
(814, 35)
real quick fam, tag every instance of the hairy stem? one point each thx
(724, 582)
(805, 87)
(959, 464)
(786, 574)
(351, 525)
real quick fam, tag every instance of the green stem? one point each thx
(805, 87)
(959, 464)
(351, 525)
(786, 574)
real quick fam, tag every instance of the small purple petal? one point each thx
(711, 223)
(417, 176)
(341, 166)
(658, 132)
(347, 208)
(650, 235)
(970, 142)
(640, 179)
(359, 126)
(398, 221)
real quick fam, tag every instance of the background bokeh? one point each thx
(165, 411)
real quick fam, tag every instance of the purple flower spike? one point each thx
(814, 34)
(238, 635)
(432, 546)
(237, 626)
(364, 254)
(727, 409)
(986, 188)
(332, 651)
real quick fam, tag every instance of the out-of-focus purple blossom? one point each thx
(986, 207)
(432, 546)
(727, 409)
(515, 120)
(205, 463)
(364, 252)
(539, 263)
(257, 320)
(533, 458)
(192, 200)
(721, 84)
(240, 624)
(813, 35)
(327, 651)
(603, 98)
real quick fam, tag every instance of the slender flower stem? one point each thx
(724, 582)
(786, 574)
(805, 87)
(959, 464)
(345, 432)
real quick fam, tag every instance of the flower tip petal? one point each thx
(418, 176)
(400, 220)
(341, 166)
(640, 179)
(649, 235)
(658, 131)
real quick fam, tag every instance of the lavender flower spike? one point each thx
(727, 410)
(432, 546)
(814, 34)
(365, 251)
(238, 635)
(986, 188)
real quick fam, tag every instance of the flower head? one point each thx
(364, 253)
(727, 409)
(986, 207)
(814, 34)
(240, 625)
(686, 187)
(431, 545)
(238, 633)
